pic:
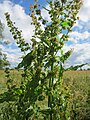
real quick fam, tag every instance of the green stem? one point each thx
(50, 97)
(60, 75)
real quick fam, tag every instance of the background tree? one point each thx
(3, 59)
(1, 29)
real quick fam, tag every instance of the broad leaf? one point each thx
(76, 67)
(27, 60)
(65, 23)
(64, 57)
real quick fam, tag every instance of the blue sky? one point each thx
(26, 3)
(19, 10)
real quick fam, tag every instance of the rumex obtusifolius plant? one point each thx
(43, 65)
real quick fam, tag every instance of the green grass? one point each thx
(15, 75)
(2, 81)
(76, 76)
(78, 82)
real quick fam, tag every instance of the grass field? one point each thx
(15, 75)
(78, 82)
(77, 76)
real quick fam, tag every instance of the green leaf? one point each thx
(76, 67)
(65, 23)
(27, 60)
(41, 98)
(64, 57)
(38, 12)
(7, 96)
(64, 1)
(18, 91)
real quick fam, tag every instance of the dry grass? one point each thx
(69, 75)
(77, 74)
(15, 75)
(78, 82)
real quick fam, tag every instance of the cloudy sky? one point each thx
(19, 10)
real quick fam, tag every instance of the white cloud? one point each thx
(77, 36)
(18, 15)
(23, 22)
(14, 59)
(80, 55)
(13, 55)
(45, 13)
(81, 37)
(85, 11)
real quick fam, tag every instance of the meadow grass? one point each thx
(78, 83)
(15, 75)
(78, 76)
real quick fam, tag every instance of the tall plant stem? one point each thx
(50, 97)
(60, 80)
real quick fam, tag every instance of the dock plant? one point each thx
(41, 95)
